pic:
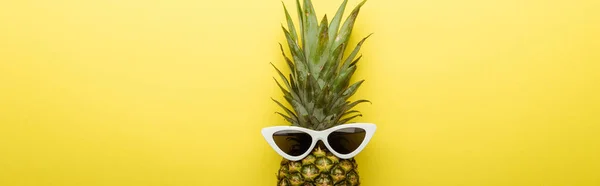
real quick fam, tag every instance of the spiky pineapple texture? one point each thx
(318, 86)
(320, 168)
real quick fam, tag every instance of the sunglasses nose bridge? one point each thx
(320, 138)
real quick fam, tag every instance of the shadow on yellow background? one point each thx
(141, 93)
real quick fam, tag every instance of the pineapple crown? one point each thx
(318, 86)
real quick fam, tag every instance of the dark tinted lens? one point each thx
(345, 141)
(292, 142)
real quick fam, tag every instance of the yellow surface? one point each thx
(142, 93)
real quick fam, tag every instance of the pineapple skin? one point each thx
(319, 168)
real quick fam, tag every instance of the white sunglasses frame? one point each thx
(369, 128)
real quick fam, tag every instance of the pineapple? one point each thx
(317, 89)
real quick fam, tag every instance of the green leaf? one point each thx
(320, 100)
(349, 106)
(314, 121)
(287, 118)
(353, 104)
(286, 94)
(285, 80)
(354, 52)
(335, 22)
(301, 21)
(303, 91)
(352, 89)
(310, 106)
(297, 54)
(337, 104)
(320, 117)
(318, 112)
(289, 94)
(288, 61)
(345, 120)
(290, 23)
(294, 85)
(328, 118)
(343, 78)
(311, 32)
(330, 66)
(302, 113)
(329, 124)
(346, 30)
(350, 112)
(355, 61)
(313, 87)
(288, 111)
(281, 87)
(299, 108)
(323, 41)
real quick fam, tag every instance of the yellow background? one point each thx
(142, 93)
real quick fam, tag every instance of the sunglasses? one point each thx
(294, 143)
